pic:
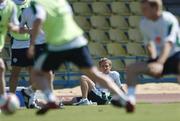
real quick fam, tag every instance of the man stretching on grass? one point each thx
(92, 91)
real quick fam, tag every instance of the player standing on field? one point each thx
(19, 47)
(8, 20)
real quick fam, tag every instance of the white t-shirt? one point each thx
(27, 19)
(116, 78)
(158, 32)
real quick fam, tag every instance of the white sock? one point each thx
(131, 91)
(49, 96)
(84, 98)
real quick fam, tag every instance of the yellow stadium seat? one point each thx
(117, 35)
(120, 8)
(134, 21)
(101, 8)
(117, 65)
(98, 35)
(81, 8)
(135, 35)
(135, 49)
(83, 22)
(118, 22)
(99, 22)
(116, 49)
(97, 49)
(135, 8)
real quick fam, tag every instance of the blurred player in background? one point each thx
(65, 43)
(8, 20)
(19, 47)
(93, 92)
(160, 30)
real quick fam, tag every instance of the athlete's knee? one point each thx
(83, 78)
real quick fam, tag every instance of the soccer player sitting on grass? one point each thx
(160, 30)
(93, 92)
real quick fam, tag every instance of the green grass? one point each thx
(144, 112)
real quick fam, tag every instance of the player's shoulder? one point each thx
(168, 16)
(114, 73)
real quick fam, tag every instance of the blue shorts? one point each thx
(19, 58)
(51, 60)
(171, 64)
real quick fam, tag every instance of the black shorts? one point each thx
(100, 99)
(39, 49)
(19, 58)
(171, 64)
(51, 60)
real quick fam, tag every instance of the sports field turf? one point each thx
(144, 112)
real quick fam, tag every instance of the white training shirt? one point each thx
(116, 78)
(27, 19)
(158, 32)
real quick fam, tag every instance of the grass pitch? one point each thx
(144, 112)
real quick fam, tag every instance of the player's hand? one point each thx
(156, 69)
(31, 51)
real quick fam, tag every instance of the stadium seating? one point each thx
(99, 22)
(97, 49)
(117, 65)
(98, 36)
(134, 21)
(120, 8)
(134, 35)
(83, 22)
(116, 49)
(119, 22)
(81, 8)
(117, 35)
(135, 49)
(101, 8)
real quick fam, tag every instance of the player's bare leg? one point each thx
(14, 78)
(2, 78)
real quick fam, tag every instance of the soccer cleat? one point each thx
(120, 102)
(47, 107)
(26, 98)
(130, 108)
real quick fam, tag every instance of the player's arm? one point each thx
(14, 23)
(118, 81)
(172, 31)
(151, 50)
(40, 15)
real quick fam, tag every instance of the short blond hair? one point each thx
(105, 60)
(157, 3)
